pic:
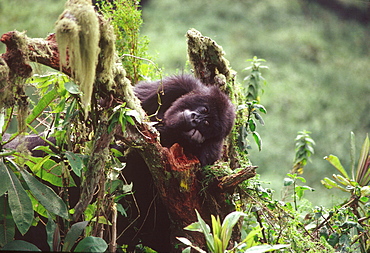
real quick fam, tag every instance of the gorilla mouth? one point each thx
(195, 135)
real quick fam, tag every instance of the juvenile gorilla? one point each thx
(196, 116)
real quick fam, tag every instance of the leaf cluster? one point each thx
(303, 150)
(23, 192)
(250, 111)
(125, 17)
(219, 239)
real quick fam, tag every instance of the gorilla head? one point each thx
(196, 116)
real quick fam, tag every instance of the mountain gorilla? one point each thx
(196, 116)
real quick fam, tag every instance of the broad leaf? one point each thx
(91, 244)
(206, 231)
(45, 195)
(363, 172)
(258, 140)
(73, 234)
(51, 232)
(336, 163)
(188, 243)
(72, 88)
(41, 105)
(227, 226)
(328, 183)
(5, 180)
(288, 181)
(7, 226)
(19, 203)
(19, 245)
(75, 161)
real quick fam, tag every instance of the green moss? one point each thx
(78, 30)
(107, 54)
(5, 98)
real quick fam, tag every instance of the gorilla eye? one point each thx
(203, 110)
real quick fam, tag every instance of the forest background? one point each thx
(318, 76)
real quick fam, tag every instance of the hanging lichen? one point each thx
(77, 30)
(6, 98)
(107, 55)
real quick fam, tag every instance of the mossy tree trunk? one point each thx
(176, 177)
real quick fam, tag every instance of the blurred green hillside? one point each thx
(36, 17)
(318, 78)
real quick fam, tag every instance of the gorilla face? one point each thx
(196, 116)
(199, 117)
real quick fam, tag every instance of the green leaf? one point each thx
(328, 183)
(219, 247)
(52, 234)
(363, 171)
(336, 163)
(2, 121)
(19, 203)
(344, 181)
(258, 140)
(37, 207)
(303, 180)
(186, 250)
(259, 117)
(5, 180)
(72, 88)
(91, 244)
(216, 226)
(35, 163)
(184, 240)
(50, 171)
(261, 108)
(365, 190)
(73, 234)
(134, 114)
(121, 210)
(206, 231)
(41, 105)
(75, 161)
(227, 226)
(7, 225)
(60, 106)
(288, 181)
(249, 239)
(188, 243)
(46, 196)
(266, 248)
(195, 226)
(353, 154)
(301, 189)
(19, 245)
(252, 125)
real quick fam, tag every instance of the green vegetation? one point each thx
(318, 80)
(318, 76)
(131, 46)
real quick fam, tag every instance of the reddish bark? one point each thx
(14, 55)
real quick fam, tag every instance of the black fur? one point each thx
(196, 116)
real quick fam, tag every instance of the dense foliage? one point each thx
(291, 223)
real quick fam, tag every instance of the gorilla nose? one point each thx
(194, 119)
